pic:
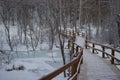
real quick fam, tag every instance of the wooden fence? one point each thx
(77, 56)
(74, 64)
(104, 53)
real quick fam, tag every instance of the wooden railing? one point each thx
(76, 61)
(72, 33)
(77, 56)
(104, 53)
(74, 65)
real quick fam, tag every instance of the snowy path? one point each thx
(97, 68)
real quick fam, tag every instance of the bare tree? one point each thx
(6, 13)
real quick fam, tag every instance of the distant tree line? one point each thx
(37, 21)
(33, 17)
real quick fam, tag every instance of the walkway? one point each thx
(97, 68)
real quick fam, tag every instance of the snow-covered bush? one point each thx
(20, 67)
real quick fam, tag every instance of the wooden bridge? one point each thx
(86, 64)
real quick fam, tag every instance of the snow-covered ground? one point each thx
(36, 65)
(80, 41)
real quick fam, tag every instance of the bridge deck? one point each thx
(97, 68)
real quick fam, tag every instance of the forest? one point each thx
(30, 23)
(40, 20)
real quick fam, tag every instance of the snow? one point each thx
(38, 63)
(96, 68)
(42, 63)
(34, 67)
(80, 41)
(17, 75)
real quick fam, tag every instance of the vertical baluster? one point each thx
(72, 48)
(74, 70)
(73, 33)
(68, 44)
(74, 67)
(82, 58)
(86, 44)
(113, 54)
(77, 48)
(69, 33)
(103, 49)
(78, 33)
(93, 48)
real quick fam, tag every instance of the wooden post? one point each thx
(85, 44)
(113, 54)
(74, 70)
(77, 48)
(83, 35)
(68, 44)
(93, 48)
(78, 33)
(68, 32)
(81, 61)
(74, 66)
(72, 48)
(103, 54)
(73, 33)
(82, 58)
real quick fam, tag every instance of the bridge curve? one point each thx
(86, 65)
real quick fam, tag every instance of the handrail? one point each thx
(77, 52)
(103, 45)
(106, 53)
(75, 63)
(112, 55)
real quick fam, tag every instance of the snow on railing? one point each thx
(104, 53)
(76, 58)
(77, 55)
